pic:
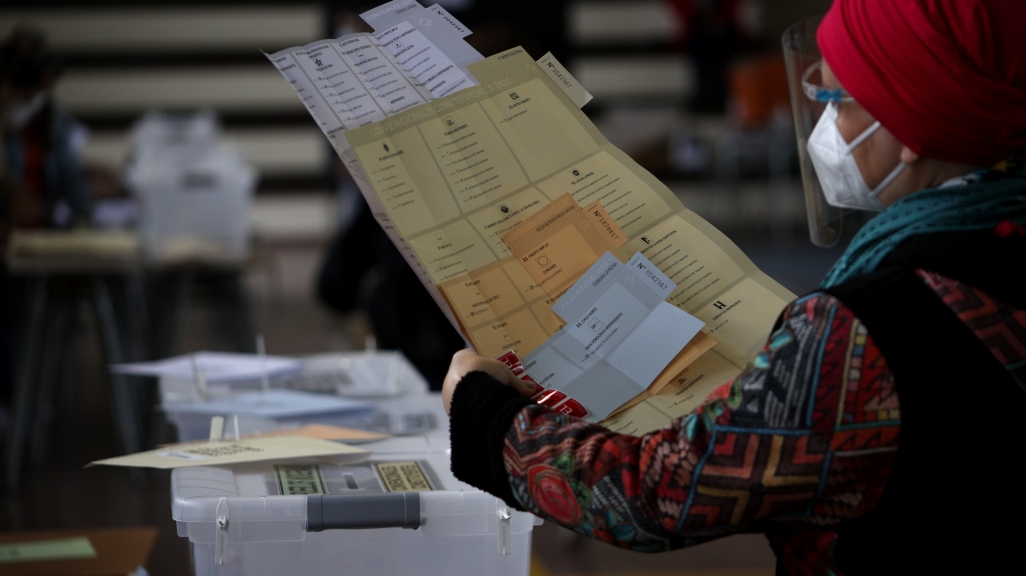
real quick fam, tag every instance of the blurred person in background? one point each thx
(41, 182)
(714, 33)
(362, 269)
(44, 186)
(880, 430)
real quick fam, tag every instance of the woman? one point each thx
(881, 427)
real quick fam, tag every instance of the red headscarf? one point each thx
(946, 77)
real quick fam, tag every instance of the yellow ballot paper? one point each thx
(476, 188)
(455, 176)
(236, 452)
(683, 394)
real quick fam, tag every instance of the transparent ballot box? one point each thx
(195, 191)
(401, 512)
(394, 394)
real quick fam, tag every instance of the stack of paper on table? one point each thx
(453, 179)
(205, 368)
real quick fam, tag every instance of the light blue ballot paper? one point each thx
(620, 334)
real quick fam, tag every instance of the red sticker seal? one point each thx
(510, 359)
(572, 408)
(537, 387)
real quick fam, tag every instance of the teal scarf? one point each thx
(998, 195)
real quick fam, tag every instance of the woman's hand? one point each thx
(466, 361)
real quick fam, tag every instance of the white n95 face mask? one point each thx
(839, 174)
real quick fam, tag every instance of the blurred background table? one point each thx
(58, 269)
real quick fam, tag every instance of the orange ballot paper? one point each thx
(558, 243)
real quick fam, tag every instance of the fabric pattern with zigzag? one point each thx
(793, 446)
(999, 326)
(801, 442)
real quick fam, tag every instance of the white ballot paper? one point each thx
(216, 367)
(449, 19)
(423, 60)
(428, 42)
(620, 334)
(363, 78)
(438, 26)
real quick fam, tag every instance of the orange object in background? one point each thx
(758, 88)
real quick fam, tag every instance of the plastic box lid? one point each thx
(259, 512)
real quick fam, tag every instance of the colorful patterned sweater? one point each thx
(801, 441)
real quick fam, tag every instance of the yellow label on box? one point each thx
(405, 476)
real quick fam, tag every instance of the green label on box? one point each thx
(300, 480)
(41, 550)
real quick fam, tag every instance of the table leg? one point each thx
(171, 313)
(55, 344)
(137, 327)
(238, 312)
(26, 389)
(69, 381)
(138, 321)
(124, 406)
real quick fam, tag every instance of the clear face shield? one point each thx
(809, 99)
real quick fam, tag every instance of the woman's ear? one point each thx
(908, 156)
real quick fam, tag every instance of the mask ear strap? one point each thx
(890, 178)
(862, 137)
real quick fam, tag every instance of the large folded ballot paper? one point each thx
(506, 200)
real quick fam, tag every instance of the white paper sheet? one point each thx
(435, 23)
(449, 19)
(425, 61)
(216, 367)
